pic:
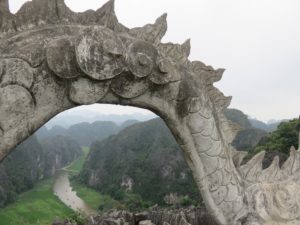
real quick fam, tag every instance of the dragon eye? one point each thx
(141, 58)
(99, 53)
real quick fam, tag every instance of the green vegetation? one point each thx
(38, 206)
(146, 159)
(279, 140)
(77, 165)
(95, 199)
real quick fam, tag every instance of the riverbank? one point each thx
(64, 191)
(40, 205)
(37, 205)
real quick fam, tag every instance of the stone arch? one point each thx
(52, 59)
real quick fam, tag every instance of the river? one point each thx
(63, 190)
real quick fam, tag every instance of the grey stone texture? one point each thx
(52, 59)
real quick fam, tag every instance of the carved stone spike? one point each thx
(254, 165)
(16, 103)
(219, 74)
(152, 33)
(127, 86)
(288, 164)
(141, 58)
(270, 173)
(99, 53)
(177, 52)
(106, 15)
(61, 58)
(186, 47)
(37, 12)
(238, 157)
(85, 91)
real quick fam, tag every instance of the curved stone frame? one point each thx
(52, 59)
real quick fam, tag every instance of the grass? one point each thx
(40, 206)
(37, 206)
(94, 199)
(77, 165)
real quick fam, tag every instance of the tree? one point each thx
(281, 139)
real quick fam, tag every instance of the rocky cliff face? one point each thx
(248, 138)
(59, 151)
(188, 216)
(249, 135)
(144, 159)
(32, 161)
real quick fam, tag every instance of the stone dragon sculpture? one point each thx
(53, 59)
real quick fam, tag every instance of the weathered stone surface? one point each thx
(16, 105)
(189, 216)
(128, 86)
(152, 33)
(145, 222)
(167, 72)
(16, 71)
(84, 91)
(100, 53)
(141, 58)
(40, 77)
(61, 58)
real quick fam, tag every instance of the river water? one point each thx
(63, 190)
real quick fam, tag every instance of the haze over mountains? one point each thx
(138, 156)
(145, 159)
(86, 114)
(75, 116)
(85, 133)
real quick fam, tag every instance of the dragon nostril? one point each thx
(164, 65)
(143, 59)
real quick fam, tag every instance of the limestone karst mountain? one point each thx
(47, 150)
(86, 133)
(146, 159)
(32, 161)
(270, 126)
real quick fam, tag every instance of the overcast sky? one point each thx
(257, 41)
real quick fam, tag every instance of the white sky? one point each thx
(257, 41)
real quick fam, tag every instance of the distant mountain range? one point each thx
(269, 127)
(72, 117)
(85, 133)
(140, 156)
(145, 159)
